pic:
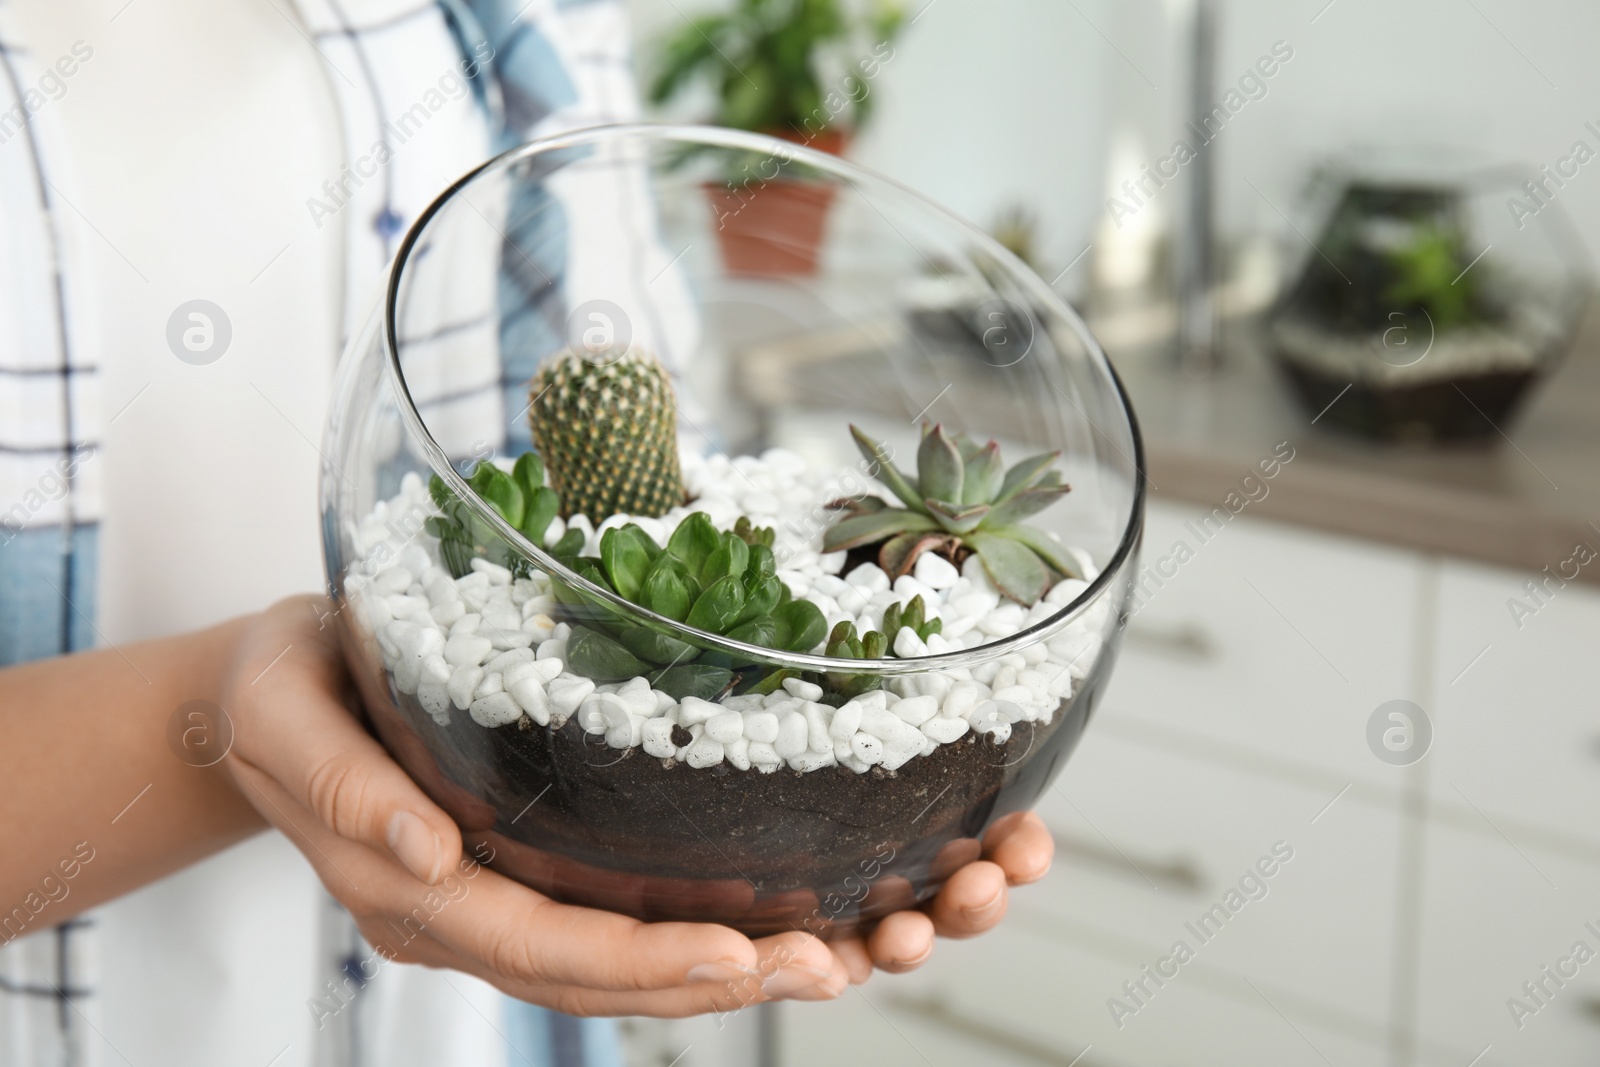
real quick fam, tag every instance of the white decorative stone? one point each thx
(802, 689)
(846, 721)
(497, 709)
(935, 572)
(866, 748)
(945, 730)
(657, 735)
(793, 735)
(762, 726)
(917, 710)
(704, 752)
(462, 684)
(727, 727)
(467, 649)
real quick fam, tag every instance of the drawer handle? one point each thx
(1179, 875)
(1184, 640)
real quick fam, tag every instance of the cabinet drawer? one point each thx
(1152, 842)
(1269, 640)
(1517, 710)
(1491, 920)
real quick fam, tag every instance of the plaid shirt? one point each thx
(533, 68)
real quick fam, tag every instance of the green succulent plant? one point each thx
(962, 498)
(722, 583)
(520, 497)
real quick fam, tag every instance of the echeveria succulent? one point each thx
(962, 497)
(722, 583)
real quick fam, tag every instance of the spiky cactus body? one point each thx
(607, 430)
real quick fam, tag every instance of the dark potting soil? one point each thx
(1449, 409)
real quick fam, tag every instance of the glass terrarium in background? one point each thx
(694, 593)
(1432, 299)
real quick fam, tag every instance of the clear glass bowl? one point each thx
(609, 237)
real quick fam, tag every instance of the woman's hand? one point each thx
(394, 859)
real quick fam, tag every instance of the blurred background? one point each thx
(1347, 242)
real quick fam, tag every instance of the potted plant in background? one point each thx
(800, 70)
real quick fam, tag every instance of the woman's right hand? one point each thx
(394, 859)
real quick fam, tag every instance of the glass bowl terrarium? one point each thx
(1435, 296)
(699, 595)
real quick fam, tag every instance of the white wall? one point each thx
(983, 104)
(990, 100)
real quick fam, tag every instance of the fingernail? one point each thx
(792, 979)
(914, 961)
(719, 971)
(827, 989)
(986, 911)
(415, 845)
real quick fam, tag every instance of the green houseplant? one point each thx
(801, 70)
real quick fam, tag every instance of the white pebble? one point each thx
(726, 727)
(1002, 621)
(907, 645)
(846, 721)
(435, 669)
(435, 700)
(555, 648)
(817, 727)
(464, 649)
(852, 601)
(496, 574)
(917, 710)
(505, 660)
(762, 726)
(866, 748)
(497, 709)
(888, 727)
(793, 735)
(1065, 592)
(448, 615)
(806, 762)
(462, 683)
(945, 730)
(764, 757)
(393, 580)
(799, 687)
(737, 753)
(828, 585)
(657, 734)
(704, 752)
(531, 697)
(695, 711)
(935, 572)
(491, 684)
(868, 576)
(566, 693)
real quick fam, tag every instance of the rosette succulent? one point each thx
(724, 583)
(520, 497)
(963, 499)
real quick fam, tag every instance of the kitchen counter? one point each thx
(1524, 499)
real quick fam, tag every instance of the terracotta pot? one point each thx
(774, 227)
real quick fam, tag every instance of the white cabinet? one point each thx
(1416, 903)
(1517, 713)
(1272, 641)
(1493, 915)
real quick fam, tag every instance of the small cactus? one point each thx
(607, 429)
